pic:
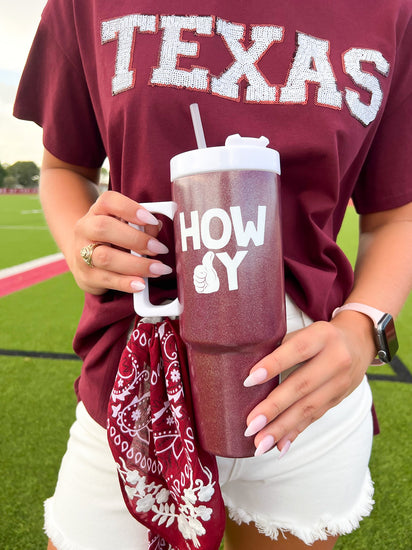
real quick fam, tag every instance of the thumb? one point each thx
(208, 259)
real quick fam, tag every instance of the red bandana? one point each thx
(169, 483)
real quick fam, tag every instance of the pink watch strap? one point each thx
(375, 314)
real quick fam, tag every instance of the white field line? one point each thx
(27, 227)
(26, 266)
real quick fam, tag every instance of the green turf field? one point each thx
(23, 230)
(38, 401)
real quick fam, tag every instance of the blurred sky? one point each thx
(19, 19)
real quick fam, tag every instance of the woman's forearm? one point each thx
(66, 194)
(65, 198)
(383, 272)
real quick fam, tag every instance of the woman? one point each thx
(330, 88)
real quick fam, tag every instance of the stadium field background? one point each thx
(37, 370)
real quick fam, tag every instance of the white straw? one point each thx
(197, 126)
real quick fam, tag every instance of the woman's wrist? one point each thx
(359, 327)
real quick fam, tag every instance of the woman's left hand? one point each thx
(335, 357)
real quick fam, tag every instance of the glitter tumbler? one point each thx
(230, 277)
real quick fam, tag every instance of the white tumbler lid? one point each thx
(239, 153)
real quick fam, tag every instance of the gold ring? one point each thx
(87, 252)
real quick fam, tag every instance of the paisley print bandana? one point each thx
(169, 483)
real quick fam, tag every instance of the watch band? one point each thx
(373, 313)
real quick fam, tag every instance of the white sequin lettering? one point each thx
(167, 73)
(311, 64)
(123, 29)
(352, 60)
(227, 84)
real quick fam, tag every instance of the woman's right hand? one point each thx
(78, 217)
(113, 266)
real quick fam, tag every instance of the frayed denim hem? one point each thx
(54, 534)
(326, 526)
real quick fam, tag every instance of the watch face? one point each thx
(387, 340)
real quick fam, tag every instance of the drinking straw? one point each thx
(197, 126)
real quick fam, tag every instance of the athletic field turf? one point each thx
(37, 370)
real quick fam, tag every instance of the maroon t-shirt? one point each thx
(329, 85)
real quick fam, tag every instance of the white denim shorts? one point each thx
(321, 487)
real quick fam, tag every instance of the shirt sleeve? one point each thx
(385, 181)
(53, 93)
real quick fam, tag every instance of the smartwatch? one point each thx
(385, 334)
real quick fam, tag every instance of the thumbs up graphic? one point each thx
(205, 278)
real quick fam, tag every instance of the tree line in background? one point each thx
(20, 175)
(26, 174)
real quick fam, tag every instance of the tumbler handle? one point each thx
(141, 300)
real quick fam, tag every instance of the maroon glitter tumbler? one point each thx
(230, 281)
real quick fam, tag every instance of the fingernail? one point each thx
(256, 425)
(160, 269)
(264, 446)
(144, 216)
(256, 377)
(285, 449)
(137, 286)
(157, 247)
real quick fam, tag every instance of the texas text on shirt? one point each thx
(328, 86)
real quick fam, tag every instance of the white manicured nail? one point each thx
(156, 247)
(267, 443)
(256, 377)
(285, 449)
(137, 286)
(144, 216)
(160, 269)
(256, 425)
